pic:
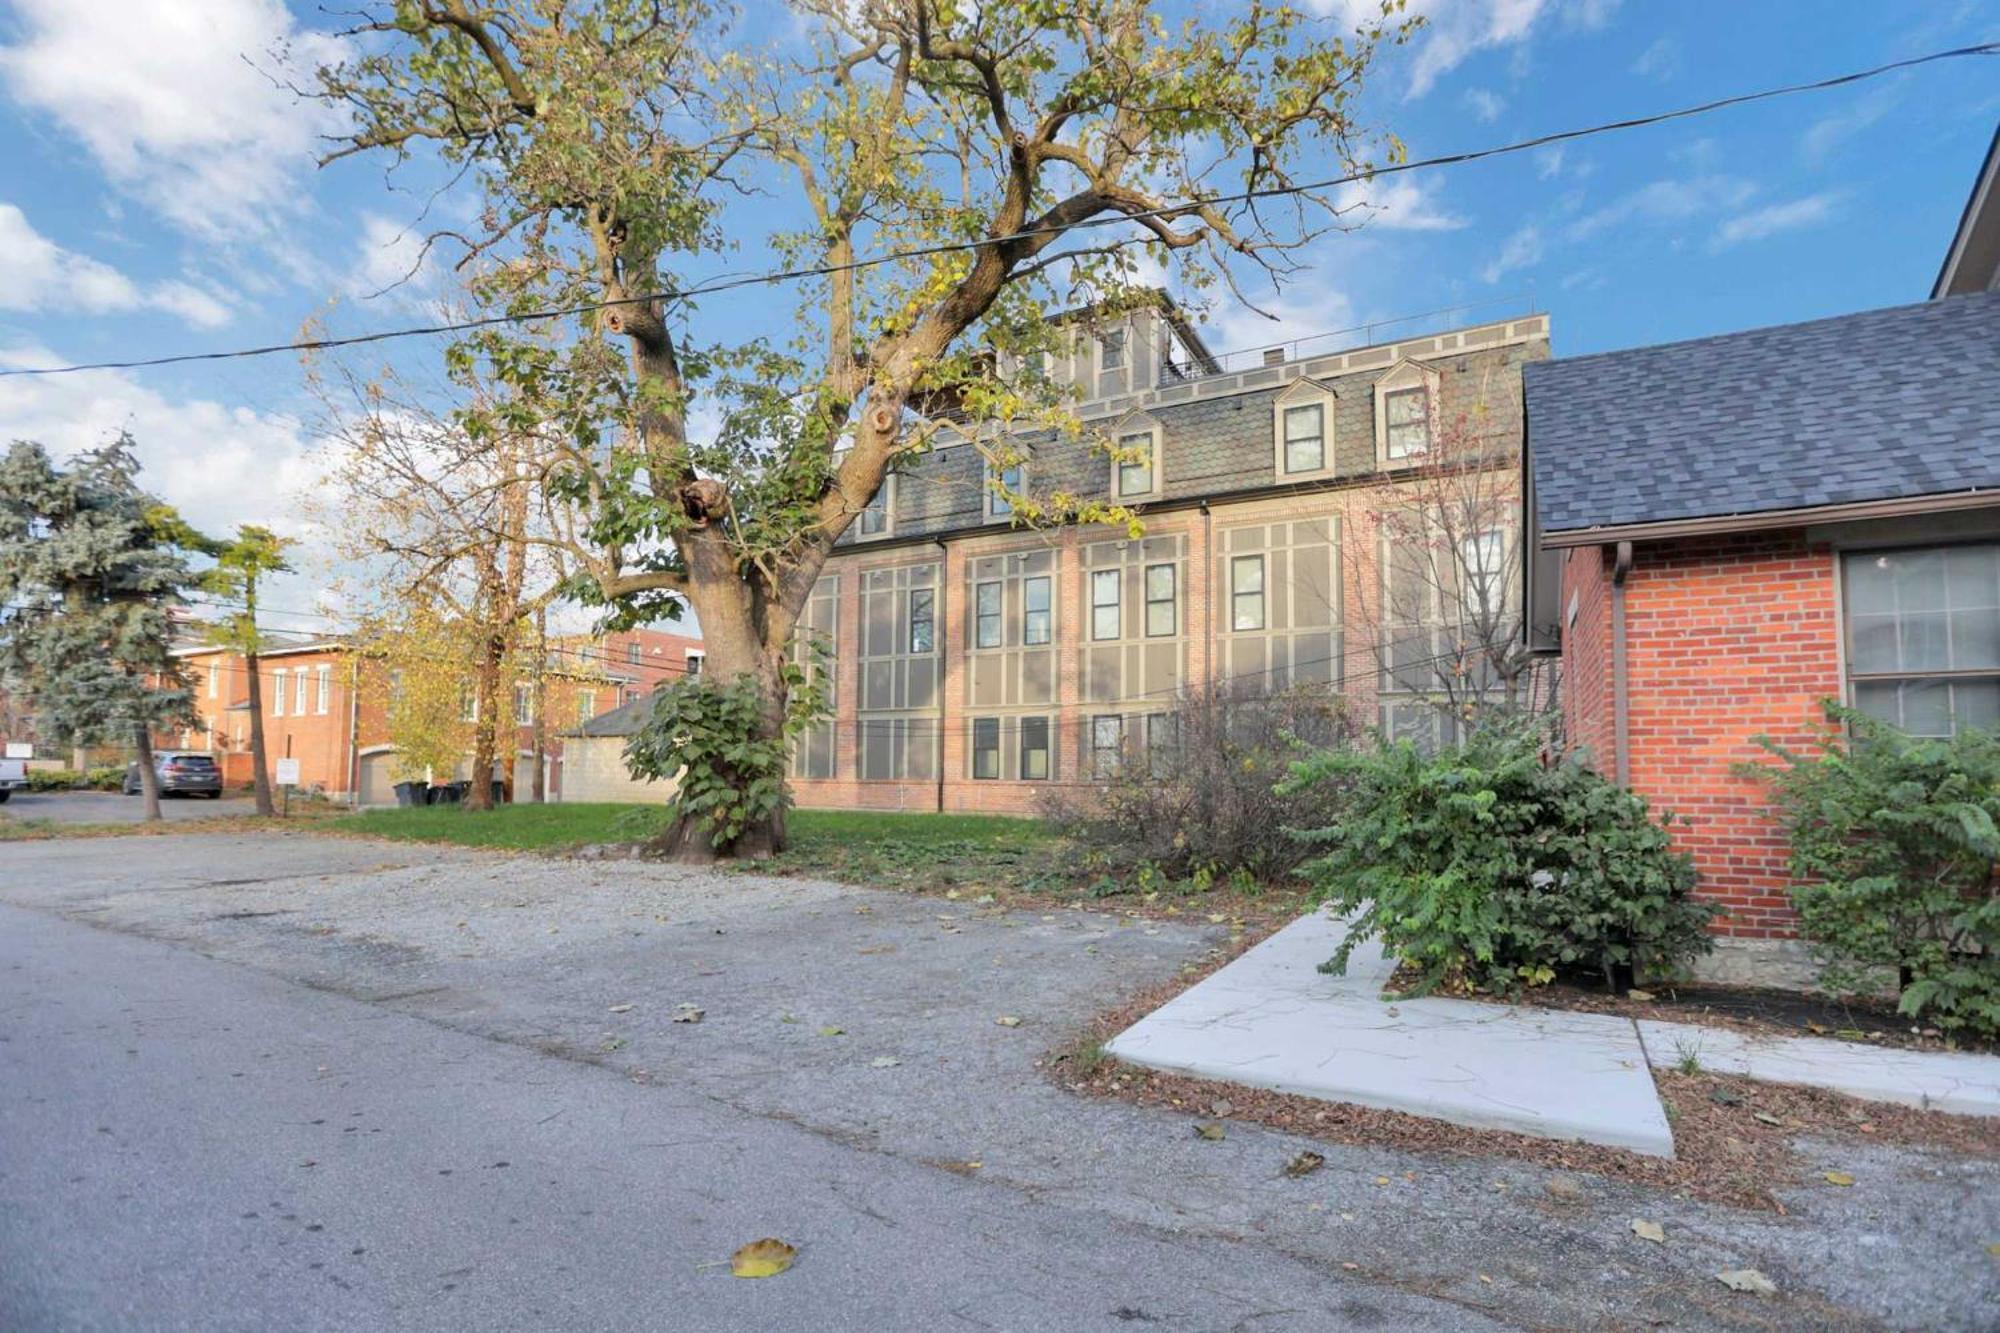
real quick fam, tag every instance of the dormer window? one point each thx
(1002, 482)
(875, 516)
(1111, 350)
(1302, 431)
(1135, 473)
(1408, 416)
(1305, 438)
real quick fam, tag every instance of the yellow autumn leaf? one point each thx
(762, 1258)
(1839, 1178)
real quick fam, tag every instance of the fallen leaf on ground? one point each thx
(884, 1062)
(1381, 1180)
(1211, 1131)
(1563, 1189)
(1008, 1021)
(621, 1009)
(1221, 1107)
(1636, 994)
(1767, 1117)
(1839, 1178)
(1652, 1231)
(762, 1258)
(831, 1031)
(1994, 1249)
(1305, 1163)
(689, 1013)
(1747, 1279)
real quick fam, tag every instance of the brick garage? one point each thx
(1770, 520)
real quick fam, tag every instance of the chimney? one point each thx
(1274, 356)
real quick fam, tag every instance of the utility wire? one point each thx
(948, 247)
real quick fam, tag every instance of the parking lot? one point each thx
(109, 807)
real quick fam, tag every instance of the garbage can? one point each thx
(406, 793)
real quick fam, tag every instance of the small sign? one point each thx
(288, 772)
(20, 750)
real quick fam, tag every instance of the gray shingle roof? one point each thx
(1887, 404)
(624, 720)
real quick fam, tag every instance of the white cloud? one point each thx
(1773, 219)
(174, 102)
(1401, 203)
(38, 274)
(1306, 308)
(1661, 60)
(1667, 201)
(220, 465)
(1452, 29)
(1549, 162)
(389, 255)
(1829, 132)
(1483, 104)
(1521, 250)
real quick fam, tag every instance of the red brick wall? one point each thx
(1726, 638)
(1586, 641)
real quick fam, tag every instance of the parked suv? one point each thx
(181, 773)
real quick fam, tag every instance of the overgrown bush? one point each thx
(1894, 846)
(108, 778)
(1491, 866)
(1200, 804)
(711, 738)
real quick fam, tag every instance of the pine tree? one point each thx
(88, 581)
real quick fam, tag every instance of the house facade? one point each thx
(977, 664)
(1748, 525)
(326, 705)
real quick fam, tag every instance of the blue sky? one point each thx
(159, 196)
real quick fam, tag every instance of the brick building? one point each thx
(976, 664)
(326, 706)
(1751, 524)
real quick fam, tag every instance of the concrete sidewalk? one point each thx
(1272, 1020)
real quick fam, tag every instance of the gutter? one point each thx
(1621, 704)
(1764, 520)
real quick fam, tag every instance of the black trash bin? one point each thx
(406, 793)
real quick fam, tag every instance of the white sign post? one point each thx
(288, 778)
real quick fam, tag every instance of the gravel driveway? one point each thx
(871, 1019)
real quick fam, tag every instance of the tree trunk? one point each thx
(735, 648)
(541, 745)
(486, 724)
(149, 781)
(260, 776)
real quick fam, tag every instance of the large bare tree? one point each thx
(615, 141)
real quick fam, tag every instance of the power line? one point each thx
(948, 247)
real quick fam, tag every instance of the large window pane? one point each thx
(986, 748)
(1034, 749)
(1305, 438)
(1914, 615)
(1136, 477)
(1246, 592)
(1161, 619)
(1035, 625)
(986, 615)
(922, 624)
(1104, 604)
(1408, 413)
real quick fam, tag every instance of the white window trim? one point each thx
(1303, 393)
(322, 689)
(888, 497)
(278, 693)
(1404, 375)
(688, 667)
(1139, 425)
(1122, 370)
(299, 691)
(214, 676)
(988, 497)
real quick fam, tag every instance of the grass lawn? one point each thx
(959, 855)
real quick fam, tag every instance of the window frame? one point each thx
(1950, 677)
(1155, 482)
(928, 620)
(1098, 749)
(1420, 392)
(1046, 749)
(692, 663)
(1172, 601)
(996, 505)
(1114, 578)
(1046, 612)
(1104, 341)
(983, 619)
(985, 745)
(278, 692)
(299, 690)
(1238, 594)
(881, 507)
(322, 689)
(586, 706)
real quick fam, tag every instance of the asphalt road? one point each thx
(191, 1144)
(109, 807)
(266, 1080)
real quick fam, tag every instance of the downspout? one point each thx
(942, 641)
(1621, 710)
(354, 730)
(1207, 572)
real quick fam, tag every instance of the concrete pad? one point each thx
(1958, 1082)
(1272, 1020)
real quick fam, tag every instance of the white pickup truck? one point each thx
(13, 773)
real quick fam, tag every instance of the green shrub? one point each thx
(54, 779)
(109, 778)
(1491, 867)
(1894, 846)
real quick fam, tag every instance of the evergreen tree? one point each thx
(89, 577)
